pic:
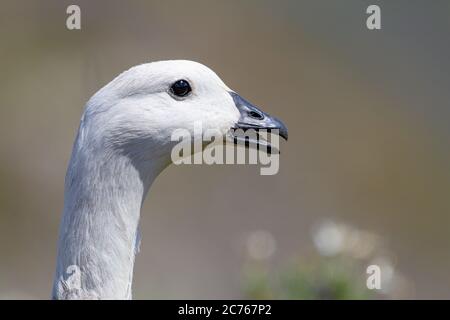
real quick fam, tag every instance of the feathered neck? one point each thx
(104, 191)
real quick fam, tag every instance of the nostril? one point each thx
(255, 115)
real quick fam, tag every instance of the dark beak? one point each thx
(253, 118)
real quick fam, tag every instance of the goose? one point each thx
(123, 143)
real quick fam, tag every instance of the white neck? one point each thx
(104, 191)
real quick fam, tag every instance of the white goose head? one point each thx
(141, 108)
(123, 143)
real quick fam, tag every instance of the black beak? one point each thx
(253, 118)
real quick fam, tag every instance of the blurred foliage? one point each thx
(327, 278)
(336, 268)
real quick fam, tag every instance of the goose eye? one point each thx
(181, 88)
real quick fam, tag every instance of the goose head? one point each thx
(123, 143)
(138, 111)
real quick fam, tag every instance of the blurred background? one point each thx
(364, 178)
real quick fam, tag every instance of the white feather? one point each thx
(123, 143)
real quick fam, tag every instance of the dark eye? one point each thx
(181, 88)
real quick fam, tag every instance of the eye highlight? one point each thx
(180, 88)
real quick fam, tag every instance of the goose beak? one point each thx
(253, 118)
